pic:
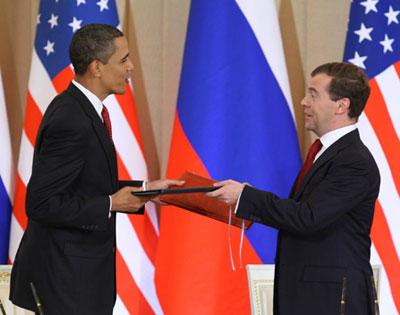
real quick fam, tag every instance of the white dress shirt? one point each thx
(332, 136)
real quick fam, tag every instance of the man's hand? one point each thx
(229, 192)
(123, 200)
(163, 184)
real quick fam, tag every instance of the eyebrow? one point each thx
(125, 57)
(311, 89)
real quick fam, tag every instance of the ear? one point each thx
(343, 105)
(95, 68)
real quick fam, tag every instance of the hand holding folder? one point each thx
(199, 203)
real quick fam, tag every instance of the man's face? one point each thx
(116, 72)
(319, 109)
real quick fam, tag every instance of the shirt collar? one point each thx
(331, 137)
(93, 99)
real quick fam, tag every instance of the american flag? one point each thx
(373, 43)
(50, 74)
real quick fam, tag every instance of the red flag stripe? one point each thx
(33, 117)
(19, 203)
(386, 249)
(397, 67)
(63, 79)
(129, 293)
(380, 120)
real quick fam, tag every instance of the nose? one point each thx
(303, 102)
(129, 65)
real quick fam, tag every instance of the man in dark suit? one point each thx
(68, 249)
(322, 260)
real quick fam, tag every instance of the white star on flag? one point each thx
(75, 24)
(49, 48)
(392, 16)
(358, 60)
(364, 33)
(79, 2)
(103, 4)
(53, 21)
(38, 19)
(370, 5)
(387, 44)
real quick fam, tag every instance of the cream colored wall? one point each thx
(313, 32)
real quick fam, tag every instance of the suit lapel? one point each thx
(99, 129)
(329, 154)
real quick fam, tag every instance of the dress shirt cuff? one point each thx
(237, 202)
(109, 210)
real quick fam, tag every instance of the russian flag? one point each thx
(6, 179)
(234, 120)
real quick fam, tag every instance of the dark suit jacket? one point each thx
(323, 232)
(68, 248)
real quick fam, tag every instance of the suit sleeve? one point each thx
(342, 189)
(52, 195)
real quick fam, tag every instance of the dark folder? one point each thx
(199, 203)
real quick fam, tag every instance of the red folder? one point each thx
(200, 203)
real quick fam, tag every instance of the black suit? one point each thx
(323, 232)
(68, 248)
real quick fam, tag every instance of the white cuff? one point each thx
(109, 210)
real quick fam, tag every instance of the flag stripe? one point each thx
(16, 233)
(119, 307)
(382, 239)
(397, 67)
(25, 160)
(62, 80)
(19, 203)
(32, 111)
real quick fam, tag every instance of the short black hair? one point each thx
(348, 81)
(92, 42)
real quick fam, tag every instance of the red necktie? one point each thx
(312, 152)
(107, 122)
